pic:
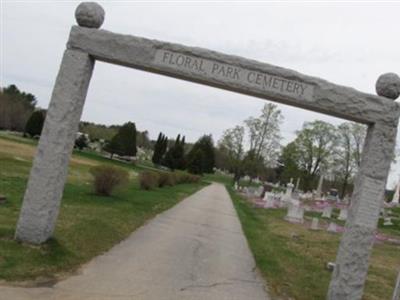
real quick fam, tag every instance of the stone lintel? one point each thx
(235, 74)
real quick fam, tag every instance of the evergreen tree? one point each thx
(81, 142)
(159, 149)
(206, 145)
(124, 142)
(175, 156)
(34, 125)
(196, 162)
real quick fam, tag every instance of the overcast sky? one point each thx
(348, 43)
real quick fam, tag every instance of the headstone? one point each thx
(327, 212)
(314, 224)
(288, 194)
(259, 191)
(246, 191)
(269, 201)
(319, 189)
(387, 221)
(3, 199)
(396, 195)
(330, 266)
(332, 228)
(343, 214)
(297, 184)
(295, 213)
(236, 186)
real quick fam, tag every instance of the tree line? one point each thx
(199, 159)
(254, 149)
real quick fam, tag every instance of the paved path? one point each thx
(196, 251)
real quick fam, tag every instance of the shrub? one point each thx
(148, 180)
(107, 178)
(166, 179)
(34, 125)
(183, 177)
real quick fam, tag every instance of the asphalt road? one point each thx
(196, 251)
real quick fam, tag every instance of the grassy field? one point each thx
(292, 258)
(88, 225)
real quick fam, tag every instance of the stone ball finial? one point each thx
(89, 14)
(388, 85)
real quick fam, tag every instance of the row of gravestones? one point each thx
(279, 200)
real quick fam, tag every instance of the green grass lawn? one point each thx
(292, 258)
(88, 225)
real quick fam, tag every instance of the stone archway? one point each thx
(87, 44)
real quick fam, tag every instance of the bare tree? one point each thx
(347, 158)
(264, 134)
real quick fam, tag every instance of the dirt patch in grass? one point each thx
(26, 152)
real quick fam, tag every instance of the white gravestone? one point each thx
(288, 194)
(319, 188)
(315, 224)
(259, 191)
(295, 214)
(396, 195)
(269, 200)
(343, 214)
(332, 228)
(327, 212)
(387, 221)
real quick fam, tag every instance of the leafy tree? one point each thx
(81, 142)
(175, 156)
(34, 125)
(160, 149)
(206, 144)
(253, 164)
(16, 107)
(231, 147)
(288, 163)
(315, 144)
(124, 142)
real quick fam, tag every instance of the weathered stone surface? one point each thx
(295, 213)
(319, 95)
(89, 14)
(49, 171)
(327, 212)
(388, 85)
(343, 214)
(315, 224)
(352, 258)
